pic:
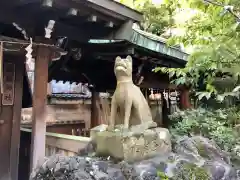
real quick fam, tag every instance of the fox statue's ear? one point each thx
(129, 58)
(118, 58)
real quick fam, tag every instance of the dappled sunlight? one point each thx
(185, 14)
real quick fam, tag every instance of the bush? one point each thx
(213, 124)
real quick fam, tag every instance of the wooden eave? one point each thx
(106, 49)
(78, 20)
(149, 43)
(156, 44)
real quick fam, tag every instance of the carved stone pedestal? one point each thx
(131, 146)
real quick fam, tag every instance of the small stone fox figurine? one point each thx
(129, 107)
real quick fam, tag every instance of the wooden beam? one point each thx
(112, 55)
(47, 3)
(110, 24)
(92, 18)
(123, 33)
(39, 107)
(72, 12)
(84, 10)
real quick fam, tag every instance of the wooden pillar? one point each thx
(17, 107)
(39, 107)
(185, 99)
(10, 115)
(94, 110)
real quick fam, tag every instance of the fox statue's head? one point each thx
(123, 67)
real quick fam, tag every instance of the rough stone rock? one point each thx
(94, 131)
(207, 156)
(89, 149)
(115, 173)
(132, 146)
(199, 148)
(188, 162)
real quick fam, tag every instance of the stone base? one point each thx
(131, 146)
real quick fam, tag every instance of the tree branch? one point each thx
(226, 7)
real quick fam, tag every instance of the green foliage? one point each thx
(157, 18)
(214, 124)
(214, 36)
(162, 175)
(210, 29)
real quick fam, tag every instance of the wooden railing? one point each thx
(62, 144)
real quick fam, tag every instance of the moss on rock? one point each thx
(196, 173)
(201, 150)
(190, 171)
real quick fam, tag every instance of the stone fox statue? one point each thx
(129, 107)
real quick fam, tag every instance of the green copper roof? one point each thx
(151, 42)
(157, 44)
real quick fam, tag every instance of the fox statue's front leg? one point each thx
(113, 114)
(127, 112)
